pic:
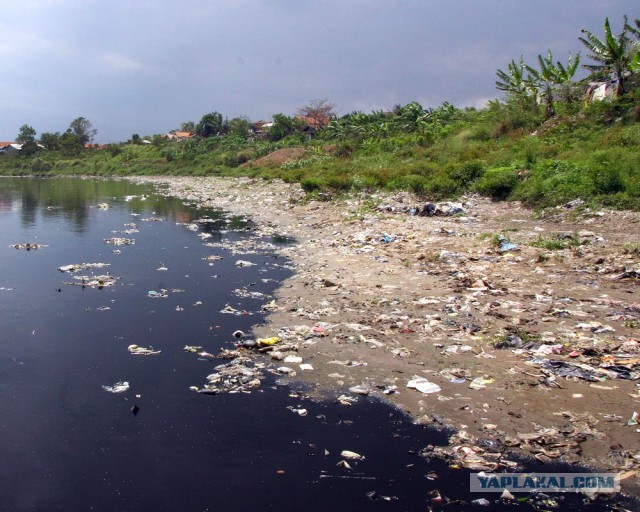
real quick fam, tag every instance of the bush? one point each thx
(39, 165)
(497, 183)
(467, 172)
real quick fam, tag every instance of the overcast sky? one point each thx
(141, 66)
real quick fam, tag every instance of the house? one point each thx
(310, 125)
(258, 129)
(180, 135)
(10, 148)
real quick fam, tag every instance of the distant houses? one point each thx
(10, 148)
(180, 135)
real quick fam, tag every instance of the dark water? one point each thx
(67, 444)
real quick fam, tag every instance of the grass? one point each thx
(557, 243)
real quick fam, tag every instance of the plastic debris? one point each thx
(442, 209)
(506, 245)
(93, 281)
(162, 294)
(634, 419)
(347, 454)
(28, 246)
(77, 267)
(423, 385)
(244, 263)
(118, 387)
(120, 241)
(481, 382)
(142, 351)
(268, 342)
(238, 376)
(375, 496)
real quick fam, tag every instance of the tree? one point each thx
(136, 139)
(563, 76)
(70, 144)
(50, 141)
(212, 124)
(27, 137)
(240, 126)
(550, 77)
(82, 129)
(26, 134)
(282, 126)
(188, 126)
(611, 54)
(514, 82)
(318, 112)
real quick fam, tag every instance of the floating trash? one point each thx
(118, 387)
(28, 246)
(142, 351)
(120, 241)
(347, 454)
(93, 281)
(162, 294)
(77, 267)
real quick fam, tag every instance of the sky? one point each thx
(145, 67)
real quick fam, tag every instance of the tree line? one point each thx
(72, 141)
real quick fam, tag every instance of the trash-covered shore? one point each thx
(518, 330)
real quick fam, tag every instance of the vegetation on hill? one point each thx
(545, 143)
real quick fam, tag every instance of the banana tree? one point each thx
(513, 81)
(544, 78)
(634, 65)
(611, 54)
(563, 76)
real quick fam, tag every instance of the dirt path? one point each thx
(381, 297)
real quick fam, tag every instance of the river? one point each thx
(68, 443)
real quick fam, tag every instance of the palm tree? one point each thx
(611, 54)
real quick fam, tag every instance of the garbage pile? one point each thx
(240, 375)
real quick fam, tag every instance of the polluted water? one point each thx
(129, 381)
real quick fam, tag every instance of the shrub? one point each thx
(497, 183)
(468, 172)
(39, 165)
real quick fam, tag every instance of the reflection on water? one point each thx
(72, 200)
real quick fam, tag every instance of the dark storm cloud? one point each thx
(144, 67)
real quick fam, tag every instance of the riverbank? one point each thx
(382, 296)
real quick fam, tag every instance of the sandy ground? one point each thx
(380, 297)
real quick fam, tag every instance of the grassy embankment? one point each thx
(588, 151)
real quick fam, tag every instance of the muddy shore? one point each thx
(525, 325)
